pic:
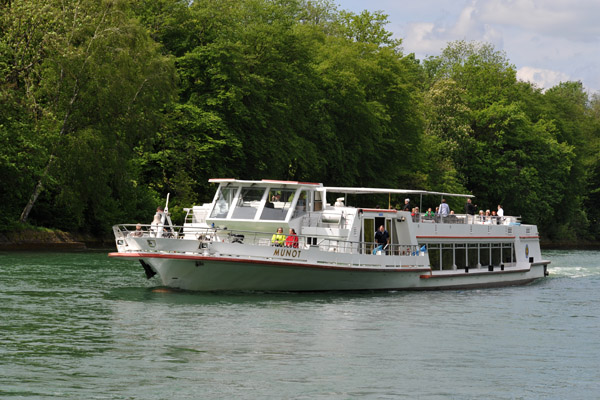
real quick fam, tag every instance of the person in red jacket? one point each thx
(292, 239)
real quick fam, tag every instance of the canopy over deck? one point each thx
(362, 190)
(266, 182)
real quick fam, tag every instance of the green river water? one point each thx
(82, 326)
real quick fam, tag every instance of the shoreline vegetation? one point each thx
(107, 107)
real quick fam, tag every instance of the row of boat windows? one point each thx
(450, 256)
(270, 203)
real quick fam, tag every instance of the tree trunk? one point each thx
(36, 192)
(40, 185)
(31, 202)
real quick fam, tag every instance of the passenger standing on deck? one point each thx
(406, 206)
(292, 239)
(444, 208)
(470, 208)
(156, 225)
(382, 238)
(278, 239)
(500, 214)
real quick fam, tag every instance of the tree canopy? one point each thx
(108, 106)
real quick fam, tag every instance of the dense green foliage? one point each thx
(107, 106)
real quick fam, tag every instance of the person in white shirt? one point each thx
(444, 208)
(500, 211)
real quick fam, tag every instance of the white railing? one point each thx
(209, 235)
(147, 230)
(467, 219)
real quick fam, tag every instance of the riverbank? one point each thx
(569, 245)
(53, 240)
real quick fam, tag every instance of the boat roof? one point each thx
(336, 189)
(265, 182)
(363, 190)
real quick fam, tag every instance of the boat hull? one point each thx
(205, 273)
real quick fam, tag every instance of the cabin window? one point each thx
(447, 256)
(508, 253)
(225, 196)
(279, 201)
(460, 255)
(473, 254)
(447, 262)
(434, 255)
(496, 253)
(248, 203)
(318, 196)
(302, 204)
(484, 254)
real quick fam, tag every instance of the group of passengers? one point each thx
(443, 210)
(485, 217)
(156, 225)
(279, 239)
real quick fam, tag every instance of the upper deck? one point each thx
(279, 202)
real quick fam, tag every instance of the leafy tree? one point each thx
(292, 89)
(567, 107)
(367, 27)
(485, 73)
(592, 167)
(279, 90)
(448, 128)
(524, 167)
(92, 83)
(501, 147)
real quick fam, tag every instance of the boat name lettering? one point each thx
(286, 252)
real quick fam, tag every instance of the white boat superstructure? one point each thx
(229, 244)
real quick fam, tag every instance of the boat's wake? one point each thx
(575, 272)
(581, 265)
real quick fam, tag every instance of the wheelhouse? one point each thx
(244, 203)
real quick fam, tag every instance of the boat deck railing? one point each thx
(337, 218)
(467, 219)
(209, 235)
(341, 218)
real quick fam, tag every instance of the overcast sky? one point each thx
(549, 41)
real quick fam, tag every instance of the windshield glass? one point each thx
(278, 203)
(225, 197)
(248, 203)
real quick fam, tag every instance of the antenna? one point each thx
(166, 211)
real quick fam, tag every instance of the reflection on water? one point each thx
(81, 325)
(160, 294)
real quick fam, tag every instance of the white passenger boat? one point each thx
(229, 244)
